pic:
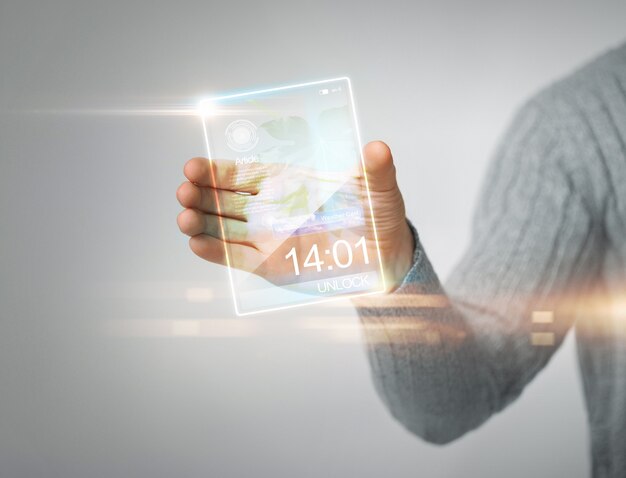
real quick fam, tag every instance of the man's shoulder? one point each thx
(586, 112)
(597, 84)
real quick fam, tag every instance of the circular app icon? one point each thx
(241, 136)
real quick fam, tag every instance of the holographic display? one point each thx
(291, 191)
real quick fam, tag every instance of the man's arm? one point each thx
(445, 359)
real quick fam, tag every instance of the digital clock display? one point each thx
(297, 223)
(313, 256)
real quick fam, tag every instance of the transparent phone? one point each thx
(292, 194)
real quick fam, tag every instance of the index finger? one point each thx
(225, 174)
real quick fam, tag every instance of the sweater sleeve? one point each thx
(444, 360)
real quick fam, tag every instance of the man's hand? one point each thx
(250, 247)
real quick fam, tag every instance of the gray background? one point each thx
(98, 375)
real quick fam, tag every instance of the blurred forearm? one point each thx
(426, 364)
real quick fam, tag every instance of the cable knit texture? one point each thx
(549, 235)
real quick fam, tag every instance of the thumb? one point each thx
(381, 173)
(394, 236)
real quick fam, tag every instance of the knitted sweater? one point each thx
(547, 254)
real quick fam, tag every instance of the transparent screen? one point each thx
(292, 196)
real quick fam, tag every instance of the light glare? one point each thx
(207, 108)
